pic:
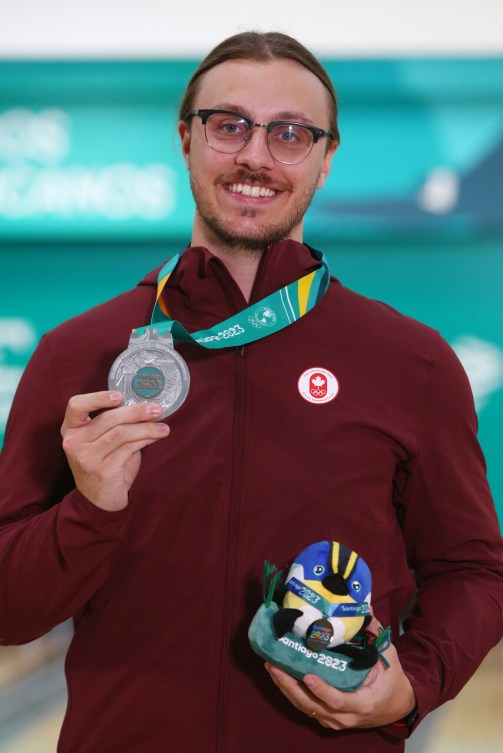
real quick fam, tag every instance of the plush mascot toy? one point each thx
(316, 620)
(327, 599)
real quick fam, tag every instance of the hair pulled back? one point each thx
(262, 47)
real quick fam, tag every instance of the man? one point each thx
(152, 538)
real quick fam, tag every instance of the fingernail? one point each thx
(310, 681)
(153, 409)
(115, 397)
(163, 428)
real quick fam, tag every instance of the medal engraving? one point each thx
(151, 370)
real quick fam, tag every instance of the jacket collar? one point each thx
(201, 291)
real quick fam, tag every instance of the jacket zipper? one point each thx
(239, 408)
(236, 456)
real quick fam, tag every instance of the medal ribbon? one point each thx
(272, 314)
(329, 609)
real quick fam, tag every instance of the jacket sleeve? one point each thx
(453, 542)
(55, 546)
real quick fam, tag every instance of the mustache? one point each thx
(245, 176)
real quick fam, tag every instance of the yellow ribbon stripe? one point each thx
(159, 299)
(304, 287)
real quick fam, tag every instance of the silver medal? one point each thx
(151, 371)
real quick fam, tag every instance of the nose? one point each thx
(255, 154)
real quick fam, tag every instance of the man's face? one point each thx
(276, 90)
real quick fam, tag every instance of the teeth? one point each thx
(253, 191)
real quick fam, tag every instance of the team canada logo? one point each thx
(318, 385)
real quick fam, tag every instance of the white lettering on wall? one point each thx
(34, 182)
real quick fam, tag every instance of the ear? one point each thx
(325, 168)
(184, 133)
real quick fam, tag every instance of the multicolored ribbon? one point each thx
(272, 314)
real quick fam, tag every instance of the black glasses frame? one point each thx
(205, 113)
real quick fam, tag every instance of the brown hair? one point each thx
(263, 47)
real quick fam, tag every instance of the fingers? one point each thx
(117, 434)
(80, 407)
(385, 695)
(120, 457)
(299, 695)
(330, 707)
(100, 440)
(104, 451)
(291, 688)
(325, 692)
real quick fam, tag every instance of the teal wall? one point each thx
(93, 194)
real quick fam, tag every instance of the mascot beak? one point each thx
(336, 584)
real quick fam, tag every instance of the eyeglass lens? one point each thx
(287, 142)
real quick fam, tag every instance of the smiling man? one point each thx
(255, 183)
(271, 129)
(298, 412)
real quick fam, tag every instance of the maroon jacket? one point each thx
(162, 593)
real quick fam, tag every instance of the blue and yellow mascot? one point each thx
(316, 620)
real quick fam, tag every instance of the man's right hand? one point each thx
(104, 452)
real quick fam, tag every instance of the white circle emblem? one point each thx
(318, 385)
(265, 316)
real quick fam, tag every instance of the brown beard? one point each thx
(264, 235)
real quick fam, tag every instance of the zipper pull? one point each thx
(240, 350)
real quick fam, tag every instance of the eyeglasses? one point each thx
(229, 132)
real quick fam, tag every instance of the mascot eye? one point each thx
(318, 569)
(356, 585)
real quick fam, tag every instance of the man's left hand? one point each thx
(385, 696)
